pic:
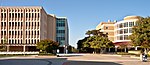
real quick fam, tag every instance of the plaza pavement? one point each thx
(87, 59)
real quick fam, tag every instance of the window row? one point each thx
(12, 33)
(32, 32)
(32, 15)
(60, 31)
(20, 41)
(126, 24)
(123, 37)
(20, 10)
(32, 23)
(124, 31)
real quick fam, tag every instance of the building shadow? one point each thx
(89, 63)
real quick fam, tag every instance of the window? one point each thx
(26, 24)
(120, 25)
(9, 15)
(126, 24)
(26, 15)
(9, 32)
(130, 30)
(125, 30)
(35, 41)
(4, 15)
(9, 41)
(9, 23)
(121, 37)
(38, 15)
(4, 23)
(121, 31)
(131, 24)
(4, 32)
(125, 37)
(106, 27)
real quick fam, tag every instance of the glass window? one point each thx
(125, 37)
(126, 24)
(106, 27)
(131, 24)
(121, 31)
(120, 25)
(125, 30)
(121, 37)
(130, 30)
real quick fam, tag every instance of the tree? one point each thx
(81, 47)
(47, 45)
(141, 33)
(88, 33)
(98, 40)
(3, 45)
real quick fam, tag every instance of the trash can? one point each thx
(144, 57)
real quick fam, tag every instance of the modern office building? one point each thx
(107, 27)
(62, 35)
(123, 29)
(22, 27)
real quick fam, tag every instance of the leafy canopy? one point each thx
(141, 33)
(47, 45)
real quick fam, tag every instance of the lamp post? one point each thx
(65, 49)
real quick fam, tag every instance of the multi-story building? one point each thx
(123, 29)
(119, 31)
(62, 34)
(107, 27)
(22, 27)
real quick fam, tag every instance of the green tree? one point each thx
(98, 40)
(141, 33)
(3, 45)
(81, 46)
(47, 45)
(88, 33)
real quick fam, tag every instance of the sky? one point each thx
(85, 15)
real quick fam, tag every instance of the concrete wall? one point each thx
(51, 27)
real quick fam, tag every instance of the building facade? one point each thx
(22, 27)
(62, 31)
(123, 29)
(107, 27)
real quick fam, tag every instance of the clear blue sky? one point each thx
(86, 14)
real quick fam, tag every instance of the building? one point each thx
(107, 27)
(123, 29)
(62, 35)
(22, 27)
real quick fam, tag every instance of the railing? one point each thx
(19, 52)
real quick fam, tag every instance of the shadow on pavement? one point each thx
(89, 63)
(47, 61)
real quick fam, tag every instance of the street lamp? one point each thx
(65, 49)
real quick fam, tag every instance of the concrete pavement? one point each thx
(87, 59)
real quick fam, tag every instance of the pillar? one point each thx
(7, 48)
(24, 48)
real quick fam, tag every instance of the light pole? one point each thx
(65, 49)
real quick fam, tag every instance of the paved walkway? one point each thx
(87, 59)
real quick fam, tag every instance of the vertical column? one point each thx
(7, 48)
(24, 48)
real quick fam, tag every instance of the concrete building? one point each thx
(107, 27)
(62, 35)
(123, 29)
(22, 27)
